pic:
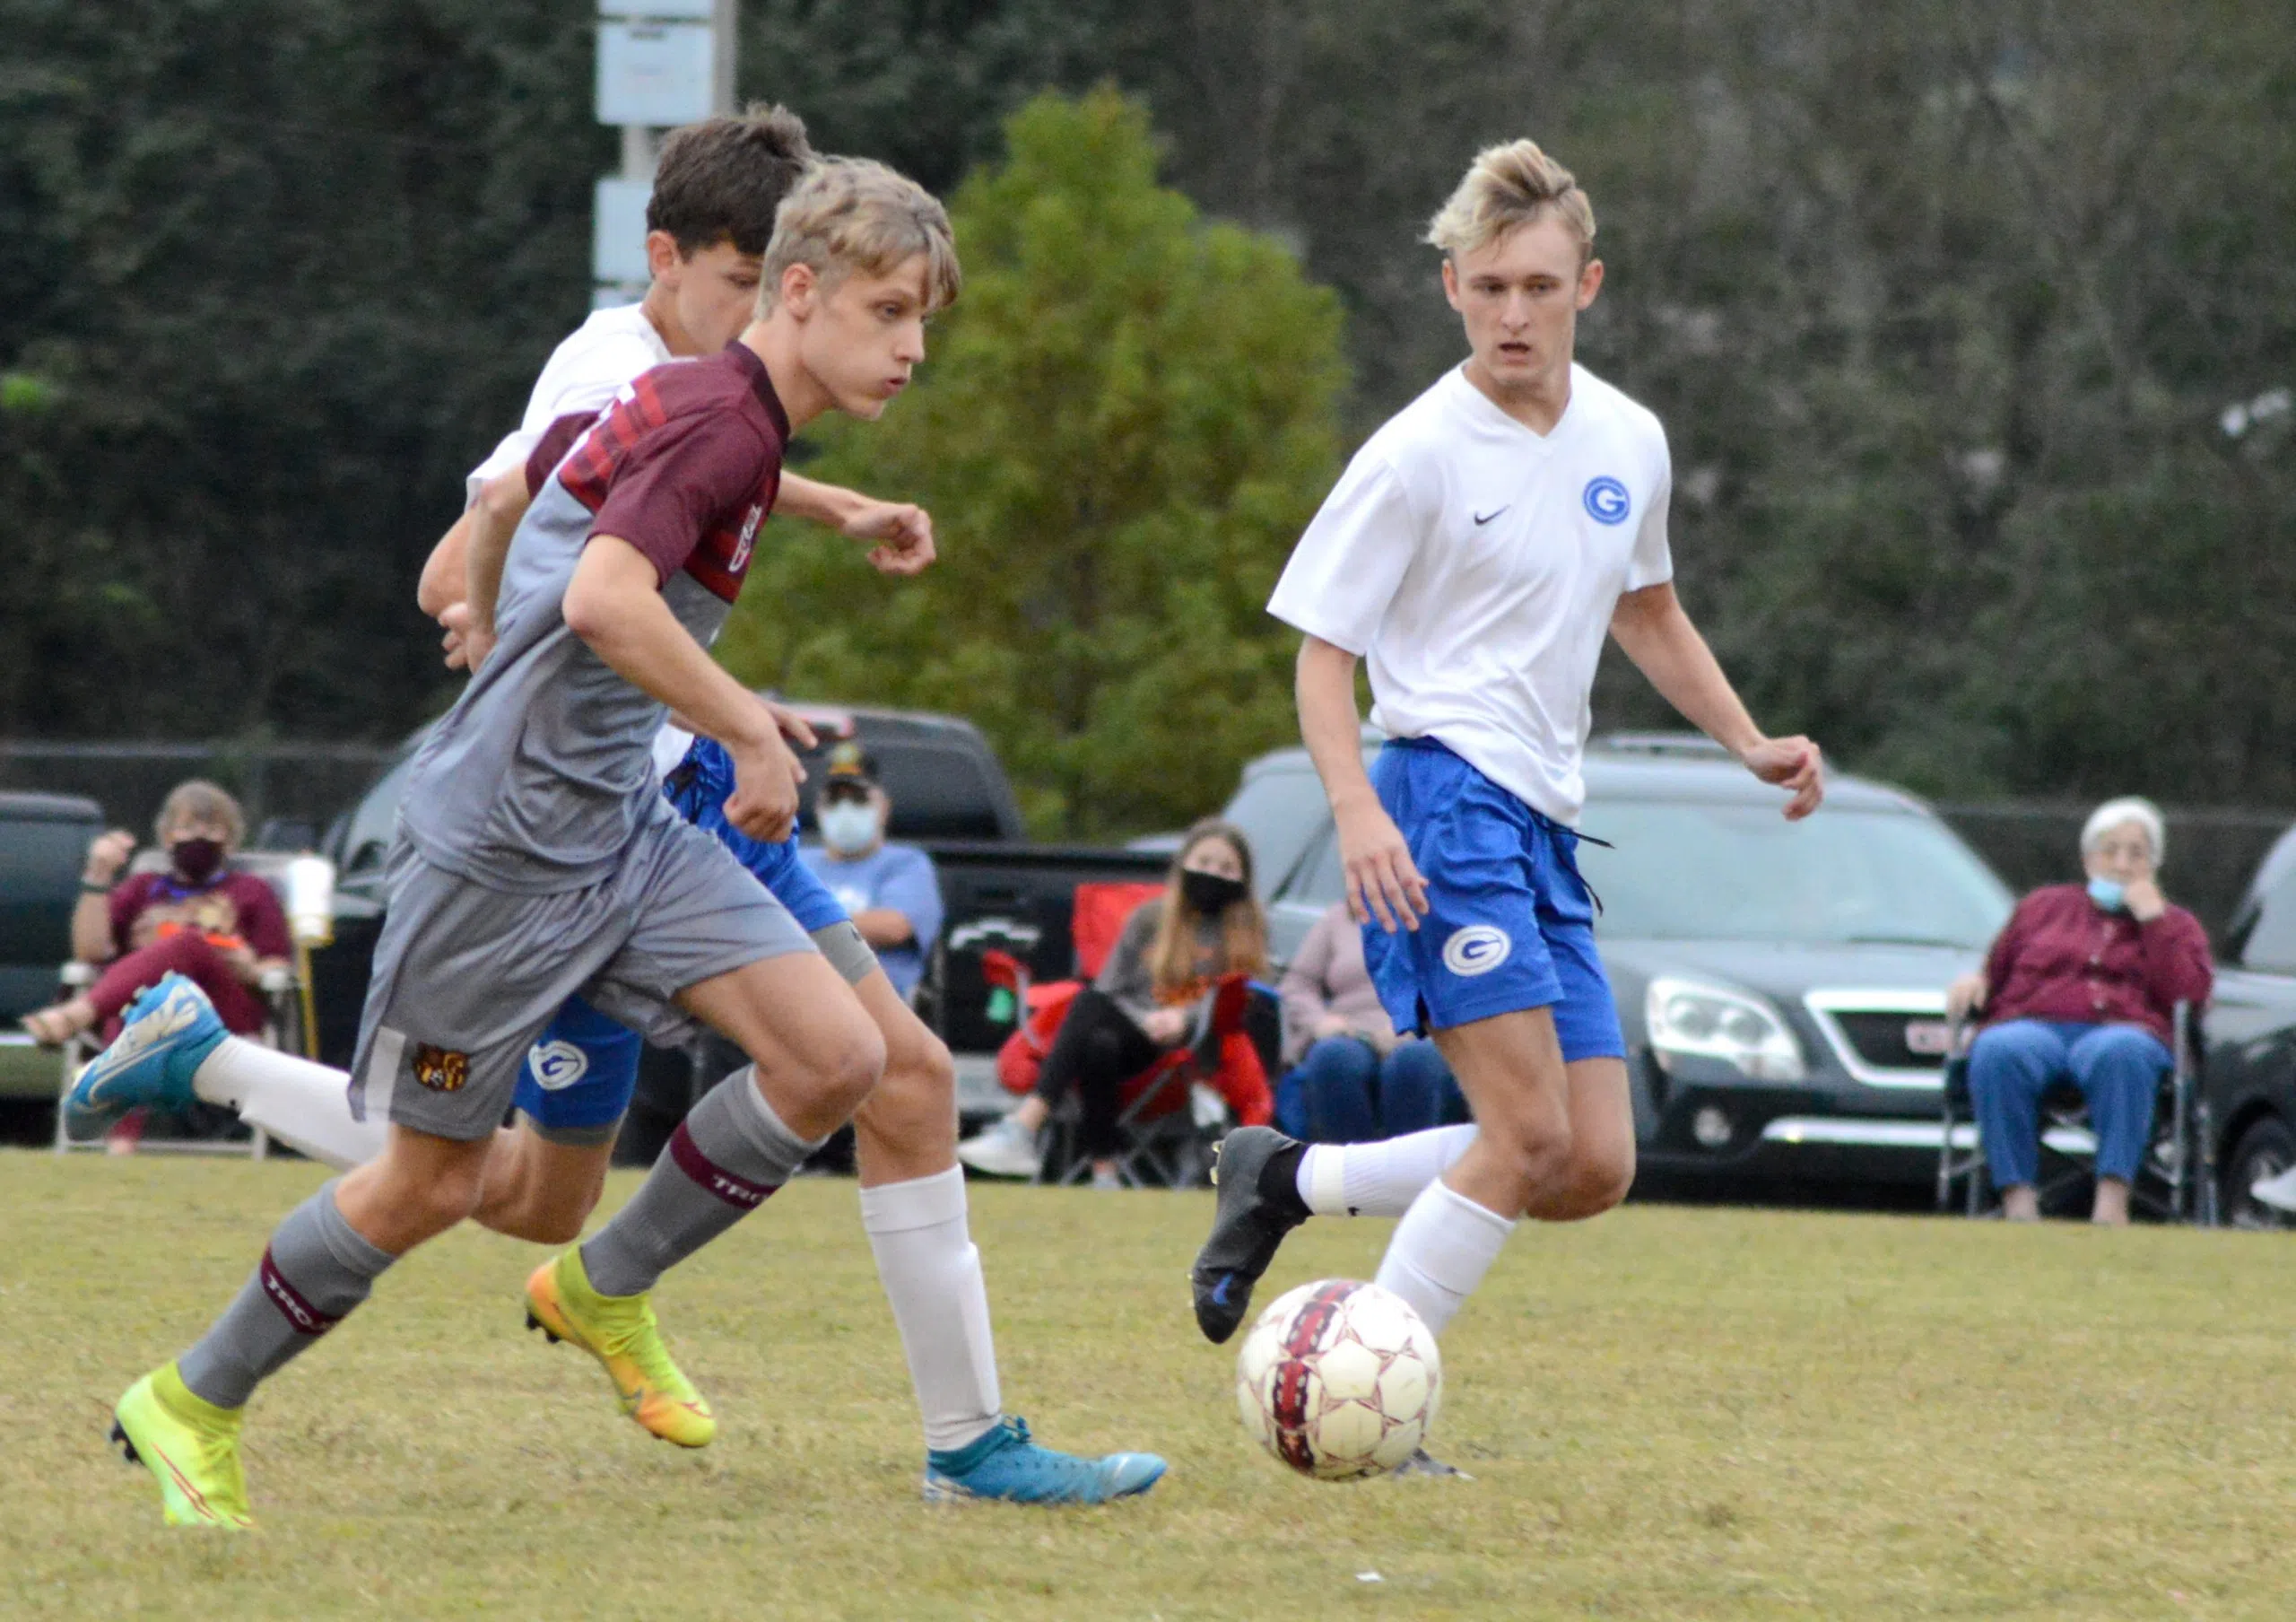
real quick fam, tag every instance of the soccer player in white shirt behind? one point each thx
(1475, 552)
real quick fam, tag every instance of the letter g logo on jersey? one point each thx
(556, 1065)
(1607, 499)
(1477, 949)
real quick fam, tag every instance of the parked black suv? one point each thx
(2250, 1083)
(1781, 985)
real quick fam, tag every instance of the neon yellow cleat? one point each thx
(191, 1446)
(621, 1333)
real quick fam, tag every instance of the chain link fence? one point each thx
(291, 789)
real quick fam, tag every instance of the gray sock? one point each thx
(724, 1159)
(316, 1269)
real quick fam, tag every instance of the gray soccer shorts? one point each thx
(465, 977)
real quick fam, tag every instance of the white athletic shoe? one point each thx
(1007, 1149)
(2278, 1192)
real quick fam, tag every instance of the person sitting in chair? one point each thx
(2082, 983)
(1149, 998)
(1353, 1080)
(222, 929)
(891, 890)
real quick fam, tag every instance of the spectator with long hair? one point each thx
(1151, 997)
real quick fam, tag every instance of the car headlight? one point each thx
(1690, 1019)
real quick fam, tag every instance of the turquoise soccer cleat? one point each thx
(168, 1034)
(1006, 1466)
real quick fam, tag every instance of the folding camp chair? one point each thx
(305, 885)
(2176, 1181)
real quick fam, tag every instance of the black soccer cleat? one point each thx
(1246, 1230)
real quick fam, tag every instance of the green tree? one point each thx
(1127, 419)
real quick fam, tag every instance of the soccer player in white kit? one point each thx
(1475, 552)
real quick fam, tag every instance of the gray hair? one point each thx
(2129, 809)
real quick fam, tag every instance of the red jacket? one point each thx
(2060, 957)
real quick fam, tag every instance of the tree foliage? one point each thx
(1947, 306)
(1128, 418)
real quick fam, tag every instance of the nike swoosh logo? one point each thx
(1480, 518)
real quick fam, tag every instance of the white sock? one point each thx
(305, 1106)
(1378, 1179)
(1442, 1249)
(931, 1272)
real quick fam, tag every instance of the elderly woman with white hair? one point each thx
(2082, 983)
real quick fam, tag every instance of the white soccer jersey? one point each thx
(583, 373)
(1474, 565)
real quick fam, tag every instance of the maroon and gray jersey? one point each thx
(538, 779)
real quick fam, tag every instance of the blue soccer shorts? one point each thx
(1509, 923)
(579, 1077)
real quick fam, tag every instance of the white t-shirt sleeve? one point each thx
(1653, 561)
(580, 379)
(1346, 569)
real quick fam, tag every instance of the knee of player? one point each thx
(1538, 1151)
(1600, 1178)
(854, 1067)
(922, 1067)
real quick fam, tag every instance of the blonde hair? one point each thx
(206, 800)
(1243, 928)
(850, 214)
(1509, 185)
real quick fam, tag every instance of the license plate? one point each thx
(1928, 1037)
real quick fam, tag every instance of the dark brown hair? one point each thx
(721, 179)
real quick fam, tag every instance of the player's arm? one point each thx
(614, 603)
(462, 575)
(492, 521)
(1652, 628)
(901, 531)
(1382, 880)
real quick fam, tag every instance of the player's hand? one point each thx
(1383, 882)
(108, 853)
(1795, 765)
(466, 645)
(764, 802)
(904, 534)
(793, 727)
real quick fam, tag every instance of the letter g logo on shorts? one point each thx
(1477, 949)
(556, 1065)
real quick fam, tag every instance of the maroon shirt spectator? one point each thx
(2063, 957)
(198, 918)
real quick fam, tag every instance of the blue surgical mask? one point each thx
(847, 828)
(2107, 893)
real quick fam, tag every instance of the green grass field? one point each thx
(1671, 1413)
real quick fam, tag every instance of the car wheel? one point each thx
(2267, 1149)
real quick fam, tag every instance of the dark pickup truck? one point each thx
(43, 847)
(950, 795)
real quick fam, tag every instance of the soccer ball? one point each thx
(1339, 1380)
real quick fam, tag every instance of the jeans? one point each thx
(1343, 1092)
(2117, 1067)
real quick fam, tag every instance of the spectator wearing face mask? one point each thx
(891, 890)
(221, 929)
(1152, 993)
(2082, 983)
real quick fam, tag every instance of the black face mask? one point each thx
(196, 860)
(1209, 893)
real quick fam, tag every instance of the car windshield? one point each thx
(1280, 813)
(1685, 871)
